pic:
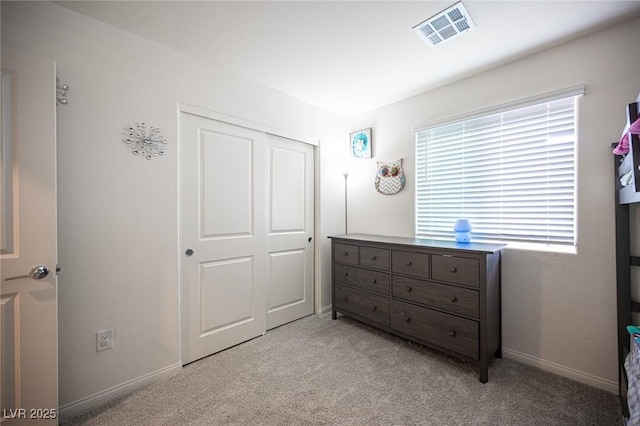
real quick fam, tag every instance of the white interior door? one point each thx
(290, 211)
(28, 306)
(223, 224)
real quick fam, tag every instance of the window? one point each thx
(510, 171)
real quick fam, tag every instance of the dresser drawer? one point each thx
(454, 299)
(346, 253)
(459, 270)
(447, 331)
(363, 278)
(404, 262)
(362, 303)
(374, 258)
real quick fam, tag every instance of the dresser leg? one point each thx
(334, 315)
(483, 371)
(498, 353)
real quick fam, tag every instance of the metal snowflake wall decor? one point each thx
(148, 146)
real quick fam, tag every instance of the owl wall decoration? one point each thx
(390, 178)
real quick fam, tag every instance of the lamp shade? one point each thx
(462, 225)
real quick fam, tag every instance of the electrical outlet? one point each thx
(104, 340)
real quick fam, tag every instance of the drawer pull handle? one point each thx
(346, 253)
(346, 274)
(407, 288)
(346, 298)
(454, 299)
(373, 258)
(408, 263)
(452, 334)
(453, 269)
(373, 281)
(407, 319)
(373, 308)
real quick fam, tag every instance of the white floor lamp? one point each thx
(346, 175)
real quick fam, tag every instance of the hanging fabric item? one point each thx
(390, 178)
(623, 146)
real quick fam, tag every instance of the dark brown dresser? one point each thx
(441, 294)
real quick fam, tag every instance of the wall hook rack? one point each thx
(61, 92)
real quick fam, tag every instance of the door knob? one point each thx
(189, 252)
(37, 273)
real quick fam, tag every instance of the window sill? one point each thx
(548, 248)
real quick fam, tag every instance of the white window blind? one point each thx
(511, 173)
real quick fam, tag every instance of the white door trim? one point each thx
(203, 112)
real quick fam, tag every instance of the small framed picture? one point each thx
(360, 143)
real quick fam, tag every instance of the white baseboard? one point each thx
(324, 310)
(561, 370)
(97, 399)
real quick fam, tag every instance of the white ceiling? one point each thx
(349, 57)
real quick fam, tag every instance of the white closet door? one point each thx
(290, 212)
(223, 235)
(290, 246)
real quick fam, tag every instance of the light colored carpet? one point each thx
(316, 371)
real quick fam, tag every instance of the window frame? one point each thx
(571, 92)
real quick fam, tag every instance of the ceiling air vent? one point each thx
(445, 25)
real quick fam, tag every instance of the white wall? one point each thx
(558, 310)
(118, 213)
